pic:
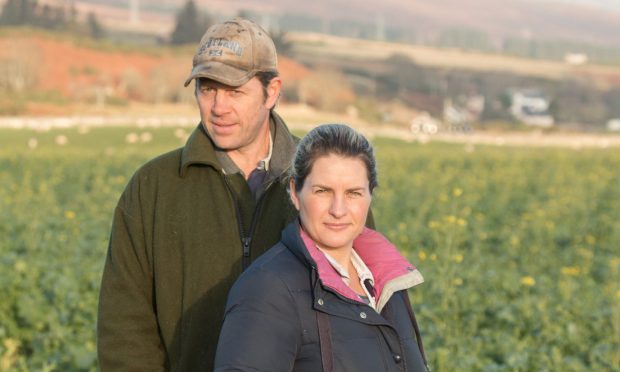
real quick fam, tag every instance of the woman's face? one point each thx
(334, 200)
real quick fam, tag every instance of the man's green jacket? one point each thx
(176, 249)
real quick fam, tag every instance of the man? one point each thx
(191, 220)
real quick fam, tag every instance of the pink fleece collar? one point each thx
(381, 257)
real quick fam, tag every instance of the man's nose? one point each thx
(221, 102)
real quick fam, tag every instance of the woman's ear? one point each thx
(293, 193)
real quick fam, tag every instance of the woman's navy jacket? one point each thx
(271, 313)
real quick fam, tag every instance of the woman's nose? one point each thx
(338, 207)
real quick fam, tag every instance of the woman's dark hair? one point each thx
(327, 139)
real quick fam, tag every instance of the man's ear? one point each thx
(273, 92)
(293, 193)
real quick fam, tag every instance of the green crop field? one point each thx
(520, 247)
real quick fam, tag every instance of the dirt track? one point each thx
(306, 120)
(533, 139)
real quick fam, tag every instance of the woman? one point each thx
(331, 295)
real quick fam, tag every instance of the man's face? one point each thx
(235, 117)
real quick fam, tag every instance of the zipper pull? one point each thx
(246, 246)
(245, 241)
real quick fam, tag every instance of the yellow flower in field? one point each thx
(528, 281)
(119, 180)
(443, 198)
(422, 255)
(20, 266)
(585, 253)
(450, 219)
(433, 257)
(461, 222)
(8, 359)
(618, 294)
(402, 226)
(11, 344)
(456, 192)
(457, 281)
(514, 241)
(433, 224)
(90, 346)
(69, 215)
(458, 258)
(590, 239)
(571, 270)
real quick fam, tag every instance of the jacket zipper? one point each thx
(246, 239)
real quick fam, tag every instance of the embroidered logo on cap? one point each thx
(233, 46)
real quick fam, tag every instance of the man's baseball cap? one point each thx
(233, 52)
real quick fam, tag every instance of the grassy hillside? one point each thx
(317, 46)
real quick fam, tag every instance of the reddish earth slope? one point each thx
(66, 67)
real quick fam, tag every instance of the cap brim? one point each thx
(221, 73)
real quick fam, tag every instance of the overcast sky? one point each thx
(606, 4)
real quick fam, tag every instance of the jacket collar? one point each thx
(391, 271)
(200, 150)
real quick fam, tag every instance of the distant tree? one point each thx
(497, 108)
(465, 38)
(327, 89)
(18, 12)
(190, 24)
(283, 46)
(404, 75)
(59, 17)
(49, 17)
(95, 29)
(612, 100)
(45, 17)
(578, 102)
(29, 12)
(72, 14)
(19, 69)
(247, 14)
